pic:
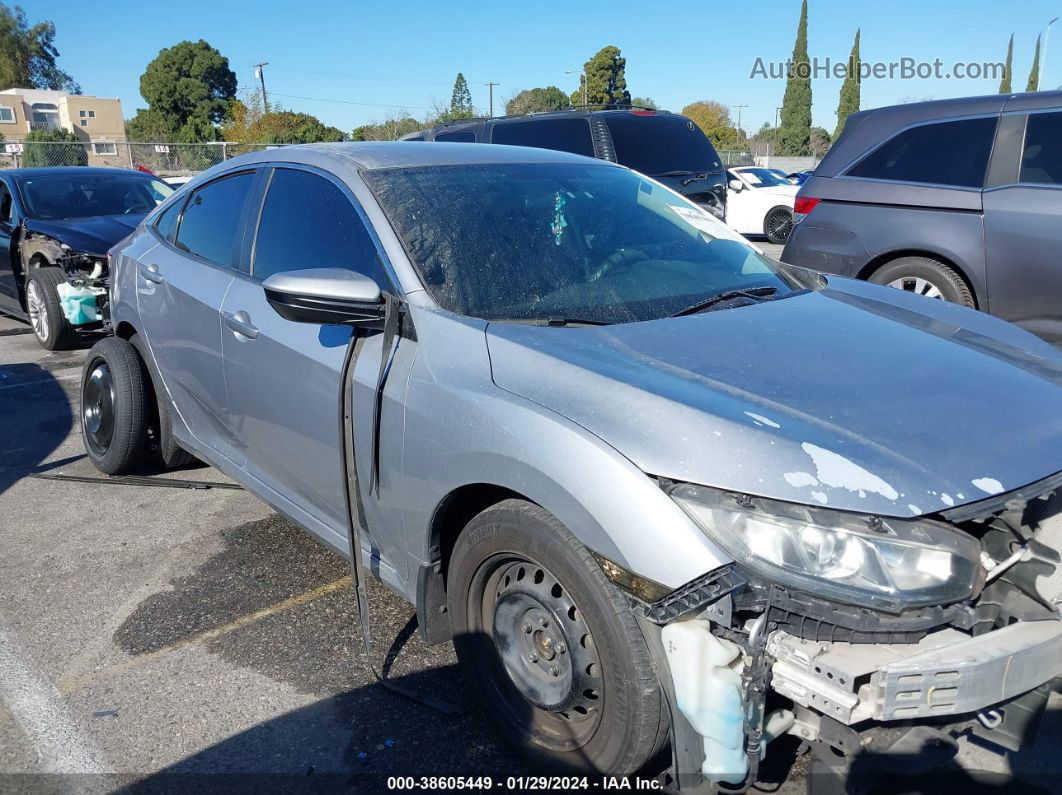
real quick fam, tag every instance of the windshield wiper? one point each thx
(560, 322)
(753, 293)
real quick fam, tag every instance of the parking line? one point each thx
(42, 717)
(67, 685)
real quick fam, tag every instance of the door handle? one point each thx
(151, 273)
(240, 323)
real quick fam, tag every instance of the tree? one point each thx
(1034, 73)
(27, 54)
(393, 127)
(848, 103)
(288, 127)
(537, 100)
(795, 128)
(53, 148)
(714, 120)
(1004, 84)
(644, 102)
(605, 78)
(461, 99)
(819, 143)
(188, 88)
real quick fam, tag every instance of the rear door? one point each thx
(1023, 226)
(181, 284)
(284, 377)
(9, 298)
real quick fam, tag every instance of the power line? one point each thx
(348, 102)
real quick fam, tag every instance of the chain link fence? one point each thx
(164, 159)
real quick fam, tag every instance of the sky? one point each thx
(350, 63)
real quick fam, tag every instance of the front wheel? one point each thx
(115, 412)
(777, 224)
(550, 645)
(50, 326)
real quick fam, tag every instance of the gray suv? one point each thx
(661, 491)
(957, 199)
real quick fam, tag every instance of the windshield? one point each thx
(661, 144)
(52, 197)
(763, 177)
(541, 242)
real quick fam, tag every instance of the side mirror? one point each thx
(736, 185)
(326, 295)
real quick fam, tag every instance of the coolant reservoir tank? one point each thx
(706, 674)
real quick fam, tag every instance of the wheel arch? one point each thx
(882, 260)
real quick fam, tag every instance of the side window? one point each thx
(166, 223)
(211, 223)
(460, 137)
(5, 204)
(565, 135)
(944, 153)
(307, 222)
(1041, 157)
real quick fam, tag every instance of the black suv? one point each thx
(665, 146)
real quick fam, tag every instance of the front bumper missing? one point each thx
(947, 673)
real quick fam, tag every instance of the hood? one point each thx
(858, 397)
(94, 235)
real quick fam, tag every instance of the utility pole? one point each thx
(259, 72)
(776, 110)
(739, 107)
(490, 87)
(585, 82)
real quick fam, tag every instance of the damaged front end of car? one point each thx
(867, 637)
(83, 296)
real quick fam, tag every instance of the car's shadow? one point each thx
(37, 419)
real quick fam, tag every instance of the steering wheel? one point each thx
(618, 260)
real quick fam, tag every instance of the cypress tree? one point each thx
(1034, 74)
(1004, 84)
(849, 100)
(461, 99)
(794, 132)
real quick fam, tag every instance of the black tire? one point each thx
(778, 224)
(606, 712)
(162, 444)
(914, 273)
(50, 326)
(115, 408)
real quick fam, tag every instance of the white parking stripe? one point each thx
(42, 717)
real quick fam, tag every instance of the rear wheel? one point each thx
(50, 326)
(115, 411)
(926, 277)
(777, 224)
(550, 645)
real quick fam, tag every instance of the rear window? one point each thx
(660, 145)
(1041, 157)
(943, 153)
(564, 135)
(461, 137)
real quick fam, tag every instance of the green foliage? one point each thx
(606, 81)
(461, 99)
(848, 103)
(53, 148)
(795, 128)
(820, 141)
(287, 127)
(714, 120)
(188, 88)
(1034, 73)
(644, 102)
(537, 100)
(1004, 84)
(390, 129)
(27, 54)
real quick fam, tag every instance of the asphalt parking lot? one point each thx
(147, 632)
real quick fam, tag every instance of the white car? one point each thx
(760, 202)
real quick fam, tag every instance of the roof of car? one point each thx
(401, 154)
(23, 173)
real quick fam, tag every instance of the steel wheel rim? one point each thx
(917, 285)
(561, 711)
(97, 409)
(779, 224)
(38, 311)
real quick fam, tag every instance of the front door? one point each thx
(9, 297)
(284, 378)
(180, 289)
(1023, 234)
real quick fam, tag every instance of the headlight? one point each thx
(863, 560)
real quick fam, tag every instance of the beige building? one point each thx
(95, 120)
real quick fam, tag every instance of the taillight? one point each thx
(644, 112)
(803, 207)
